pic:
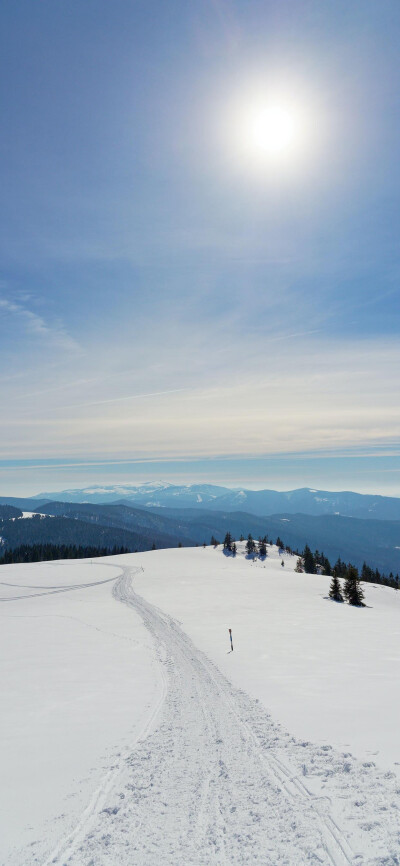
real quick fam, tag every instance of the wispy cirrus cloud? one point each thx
(52, 333)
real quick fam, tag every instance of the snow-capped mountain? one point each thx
(153, 493)
(161, 494)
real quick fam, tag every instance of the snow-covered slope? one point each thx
(133, 736)
(78, 680)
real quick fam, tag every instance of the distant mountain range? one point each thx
(352, 538)
(210, 497)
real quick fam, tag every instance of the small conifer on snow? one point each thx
(352, 588)
(335, 591)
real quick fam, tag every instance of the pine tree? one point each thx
(335, 591)
(308, 560)
(250, 545)
(262, 546)
(339, 568)
(353, 592)
(228, 542)
(327, 570)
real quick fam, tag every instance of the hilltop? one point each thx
(126, 710)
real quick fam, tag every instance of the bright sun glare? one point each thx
(270, 130)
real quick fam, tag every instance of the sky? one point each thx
(175, 302)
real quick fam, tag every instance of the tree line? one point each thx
(46, 552)
(341, 569)
(318, 563)
(253, 547)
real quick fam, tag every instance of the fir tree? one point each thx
(352, 588)
(339, 568)
(308, 560)
(335, 591)
(326, 567)
(262, 546)
(250, 545)
(228, 542)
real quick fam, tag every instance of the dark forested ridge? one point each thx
(48, 552)
(374, 541)
(355, 540)
(69, 531)
(9, 512)
(121, 517)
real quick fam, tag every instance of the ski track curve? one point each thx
(208, 781)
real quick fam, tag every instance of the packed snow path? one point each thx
(216, 795)
(211, 783)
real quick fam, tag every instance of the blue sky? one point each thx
(168, 306)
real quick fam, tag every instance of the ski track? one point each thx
(212, 779)
(52, 590)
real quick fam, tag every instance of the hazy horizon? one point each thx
(28, 490)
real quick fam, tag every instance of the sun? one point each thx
(271, 129)
(268, 130)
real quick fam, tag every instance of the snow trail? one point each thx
(202, 788)
(212, 779)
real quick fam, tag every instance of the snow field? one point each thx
(78, 680)
(329, 672)
(282, 752)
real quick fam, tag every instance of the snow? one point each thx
(77, 679)
(132, 735)
(27, 515)
(309, 660)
